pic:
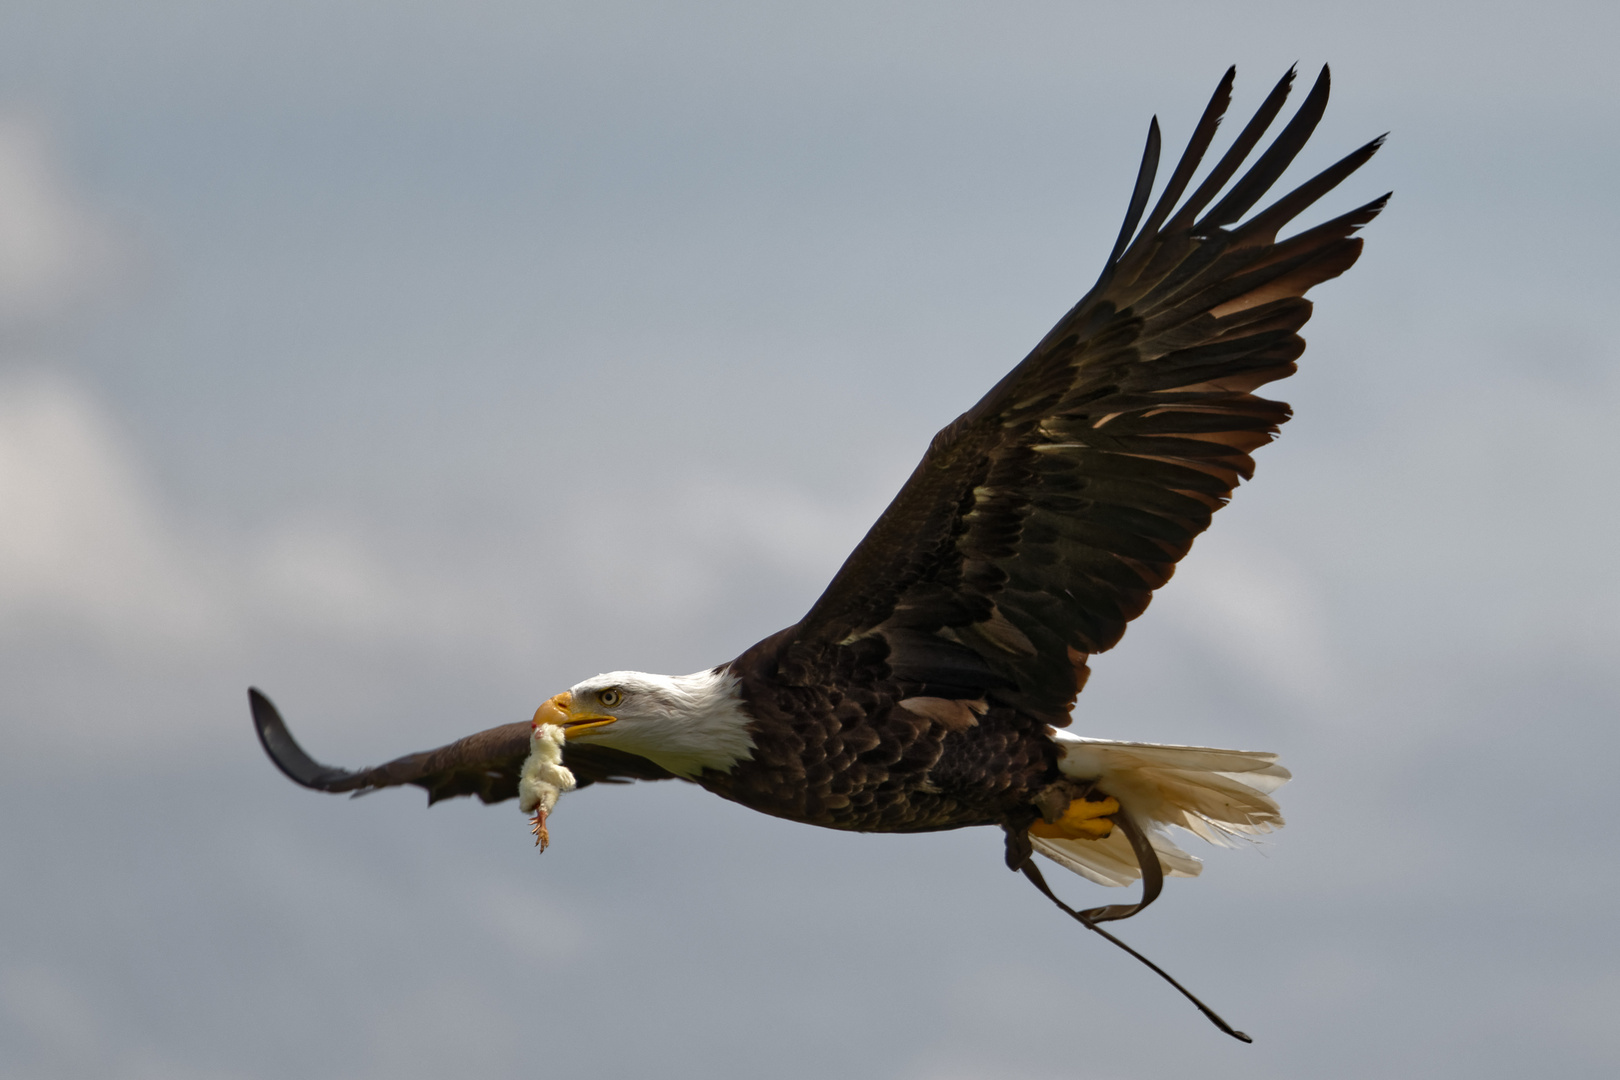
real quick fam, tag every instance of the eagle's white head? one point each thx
(686, 723)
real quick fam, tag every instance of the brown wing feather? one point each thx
(1040, 522)
(485, 764)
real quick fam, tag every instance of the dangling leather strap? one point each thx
(1152, 874)
(1152, 884)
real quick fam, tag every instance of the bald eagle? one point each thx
(930, 685)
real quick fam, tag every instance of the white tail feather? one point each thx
(1215, 794)
(1112, 862)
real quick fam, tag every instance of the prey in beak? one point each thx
(544, 776)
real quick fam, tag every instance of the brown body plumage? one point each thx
(846, 753)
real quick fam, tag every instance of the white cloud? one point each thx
(84, 543)
(88, 546)
(144, 609)
(51, 248)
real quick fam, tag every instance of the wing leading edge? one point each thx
(486, 764)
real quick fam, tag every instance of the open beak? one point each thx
(560, 711)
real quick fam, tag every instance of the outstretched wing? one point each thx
(486, 764)
(1041, 521)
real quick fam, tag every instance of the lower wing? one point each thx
(486, 764)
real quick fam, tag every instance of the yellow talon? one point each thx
(1081, 820)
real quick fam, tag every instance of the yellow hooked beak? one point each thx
(560, 711)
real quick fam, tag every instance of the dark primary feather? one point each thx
(486, 764)
(1040, 522)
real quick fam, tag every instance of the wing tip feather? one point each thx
(283, 750)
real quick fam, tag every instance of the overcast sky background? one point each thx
(415, 361)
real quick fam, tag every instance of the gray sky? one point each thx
(413, 362)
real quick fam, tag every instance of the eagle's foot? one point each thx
(1082, 819)
(542, 836)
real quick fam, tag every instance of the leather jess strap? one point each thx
(1152, 885)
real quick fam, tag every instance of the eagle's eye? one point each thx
(610, 697)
